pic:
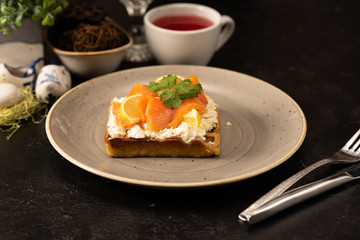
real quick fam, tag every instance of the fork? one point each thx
(349, 153)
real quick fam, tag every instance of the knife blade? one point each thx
(302, 193)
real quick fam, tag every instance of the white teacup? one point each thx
(52, 82)
(195, 47)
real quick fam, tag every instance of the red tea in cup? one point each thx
(186, 33)
(182, 22)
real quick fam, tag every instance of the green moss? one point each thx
(26, 108)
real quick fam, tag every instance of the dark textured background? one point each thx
(309, 49)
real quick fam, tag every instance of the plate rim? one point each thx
(173, 184)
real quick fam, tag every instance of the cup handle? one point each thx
(227, 29)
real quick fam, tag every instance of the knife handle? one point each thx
(297, 195)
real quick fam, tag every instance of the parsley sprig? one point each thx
(172, 94)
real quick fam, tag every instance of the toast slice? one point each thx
(146, 123)
(168, 147)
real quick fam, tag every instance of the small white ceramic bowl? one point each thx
(91, 64)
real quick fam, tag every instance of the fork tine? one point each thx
(356, 147)
(352, 140)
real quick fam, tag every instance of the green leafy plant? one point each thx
(12, 12)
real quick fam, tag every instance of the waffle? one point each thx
(168, 147)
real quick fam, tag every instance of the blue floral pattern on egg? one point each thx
(51, 77)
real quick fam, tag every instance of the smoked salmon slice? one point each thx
(202, 96)
(143, 103)
(157, 115)
(141, 89)
(187, 105)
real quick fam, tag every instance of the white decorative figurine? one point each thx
(52, 82)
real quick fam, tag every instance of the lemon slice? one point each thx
(129, 109)
(178, 78)
(192, 118)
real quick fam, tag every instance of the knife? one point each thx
(300, 194)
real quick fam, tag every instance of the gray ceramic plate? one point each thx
(267, 128)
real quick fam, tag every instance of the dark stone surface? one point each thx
(309, 49)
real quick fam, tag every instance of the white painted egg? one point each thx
(52, 82)
(9, 94)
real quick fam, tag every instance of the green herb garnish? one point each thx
(172, 94)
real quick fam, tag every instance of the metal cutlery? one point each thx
(302, 193)
(349, 153)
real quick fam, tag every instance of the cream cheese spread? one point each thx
(185, 131)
